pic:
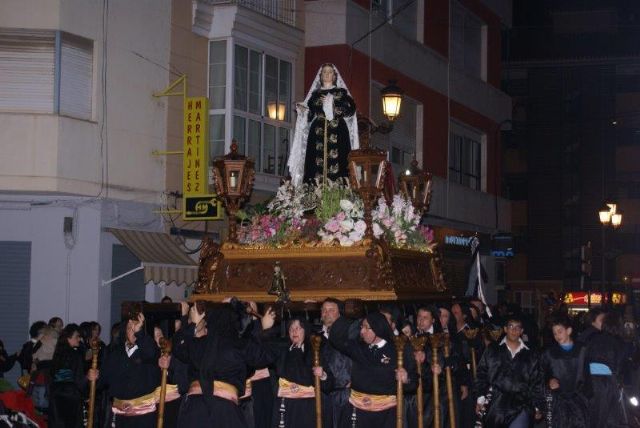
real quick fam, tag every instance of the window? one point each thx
(217, 96)
(465, 157)
(261, 116)
(46, 72)
(468, 42)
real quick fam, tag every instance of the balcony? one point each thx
(280, 10)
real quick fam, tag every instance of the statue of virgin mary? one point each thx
(326, 130)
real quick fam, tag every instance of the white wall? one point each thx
(63, 280)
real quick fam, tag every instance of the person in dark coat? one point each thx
(596, 318)
(130, 372)
(294, 406)
(566, 375)
(374, 374)
(338, 363)
(68, 381)
(509, 381)
(218, 362)
(25, 357)
(606, 355)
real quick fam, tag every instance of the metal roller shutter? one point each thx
(27, 66)
(15, 283)
(129, 288)
(76, 71)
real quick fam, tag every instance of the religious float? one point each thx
(336, 228)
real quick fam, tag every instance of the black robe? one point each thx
(568, 402)
(68, 388)
(515, 384)
(128, 377)
(337, 138)
(337, 399)
(221, 358)
(373, 372)
(605, 409)
(296, 365)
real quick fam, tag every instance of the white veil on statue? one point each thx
(299, 144)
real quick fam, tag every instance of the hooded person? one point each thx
(374, 374)
(326, 130)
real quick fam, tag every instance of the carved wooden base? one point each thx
(314, 273)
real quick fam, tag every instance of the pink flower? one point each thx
(341, 216)
(332, 225)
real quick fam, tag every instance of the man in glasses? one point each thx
(509, 382)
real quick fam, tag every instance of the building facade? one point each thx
(88, 189)
(572, 73)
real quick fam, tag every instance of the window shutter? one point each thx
(76, 72)
(15, 280)
(27, 71)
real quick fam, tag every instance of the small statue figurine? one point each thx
(278, 285)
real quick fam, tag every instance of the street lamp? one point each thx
(391, 100)
(233, 179)
(609, 216)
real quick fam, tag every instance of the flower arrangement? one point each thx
(347, 226)
(339, 219)
(399, 224)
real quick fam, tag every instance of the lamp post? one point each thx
(609, 217)
(233, 179)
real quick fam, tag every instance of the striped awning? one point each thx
(160, 257)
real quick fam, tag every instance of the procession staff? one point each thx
(400, 343)
(374, 376)
(95, 346)
(435, 341)
(165, 345)
(418, 344)
(447, 371)
(316, 341)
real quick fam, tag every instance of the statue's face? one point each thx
(327, 75)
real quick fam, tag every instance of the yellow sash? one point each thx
(287, 389)
(370, 402)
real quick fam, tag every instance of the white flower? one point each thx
(345, 241)
(346, 225)
(355, 236)
(346, 205)
(377, 230)
(360, 226)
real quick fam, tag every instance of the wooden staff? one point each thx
(435, 340)
(316, 340)
(400, 342)
(95, 346)
(471, 334)
(447, 371)
(418, 344)
(165, 345)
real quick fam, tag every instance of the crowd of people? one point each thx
(231, 366)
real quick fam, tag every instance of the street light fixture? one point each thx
(609, 216)
(391, 100)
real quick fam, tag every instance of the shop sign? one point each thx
(196, 147)
(582, 298)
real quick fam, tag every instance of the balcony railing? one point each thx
(280, 10)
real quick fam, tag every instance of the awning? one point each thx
(162, 260)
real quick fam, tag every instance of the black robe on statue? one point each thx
(337, 136)
(568, 402)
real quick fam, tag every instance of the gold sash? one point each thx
(220, 389)
(144, 404)
(370, 402)
(287, 389)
